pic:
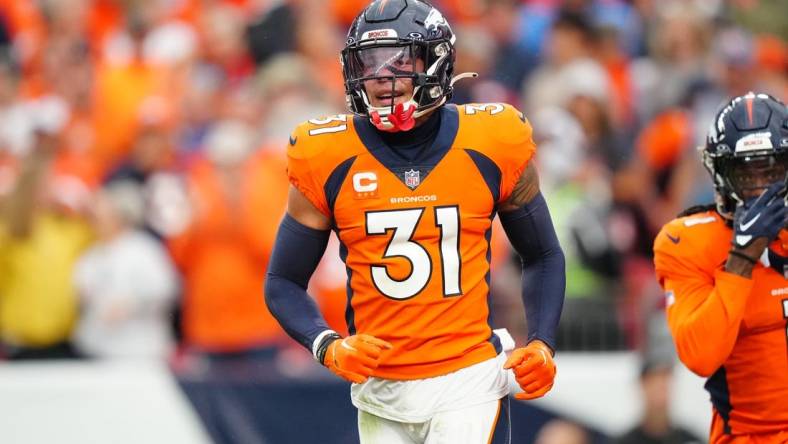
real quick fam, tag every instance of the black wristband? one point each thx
(743, 256)
(320, 353)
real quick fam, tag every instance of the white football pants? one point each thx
(480, 424)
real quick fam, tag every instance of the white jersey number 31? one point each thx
(404, 223)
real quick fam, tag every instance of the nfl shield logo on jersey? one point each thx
(412, 179)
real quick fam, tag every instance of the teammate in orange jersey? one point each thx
(724, 269)
(411, 186)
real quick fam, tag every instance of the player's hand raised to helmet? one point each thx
(759, 220)
(534, 369)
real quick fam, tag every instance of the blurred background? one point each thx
(142, 179)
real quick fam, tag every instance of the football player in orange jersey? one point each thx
(411, 185)
(724, 269)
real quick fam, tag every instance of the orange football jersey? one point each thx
(730, 329)
(415, 235)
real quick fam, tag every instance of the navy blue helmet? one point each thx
(747, 149)
(399, 39)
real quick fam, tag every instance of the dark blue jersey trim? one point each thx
(494, 339)
(350, 314)
(426, 161)
(717, 386)
(489, 171)
(335, 180)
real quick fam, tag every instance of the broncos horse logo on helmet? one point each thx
(399, 39)
(746, 147)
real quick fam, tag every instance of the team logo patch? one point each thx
(412, 179)
(434, 20)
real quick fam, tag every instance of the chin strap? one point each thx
(403, 116)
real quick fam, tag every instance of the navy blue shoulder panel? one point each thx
(717, 386)
(450, 124)
(335, 179)
(489, 170)
(369, 136)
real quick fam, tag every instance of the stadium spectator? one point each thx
(320, 41)
(224, 44)
(42, 233)
(610, 53)
(577, 184)
(658, 358)
(236, 197)
(678, 56)
(126, 282)
(290, 93)
(478, 48)
(272, 31)
(655, 426)
(772, 60)
(153, 144)
(511, 62)
(571, 39)
(559, 431)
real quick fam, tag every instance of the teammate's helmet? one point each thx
(747, 149)
(385, 41)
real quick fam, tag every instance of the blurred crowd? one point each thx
(142, 170)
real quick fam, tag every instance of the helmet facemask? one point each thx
(738, 179)
(382, 70)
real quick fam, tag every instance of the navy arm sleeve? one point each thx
(297, 252)
(531, 233)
